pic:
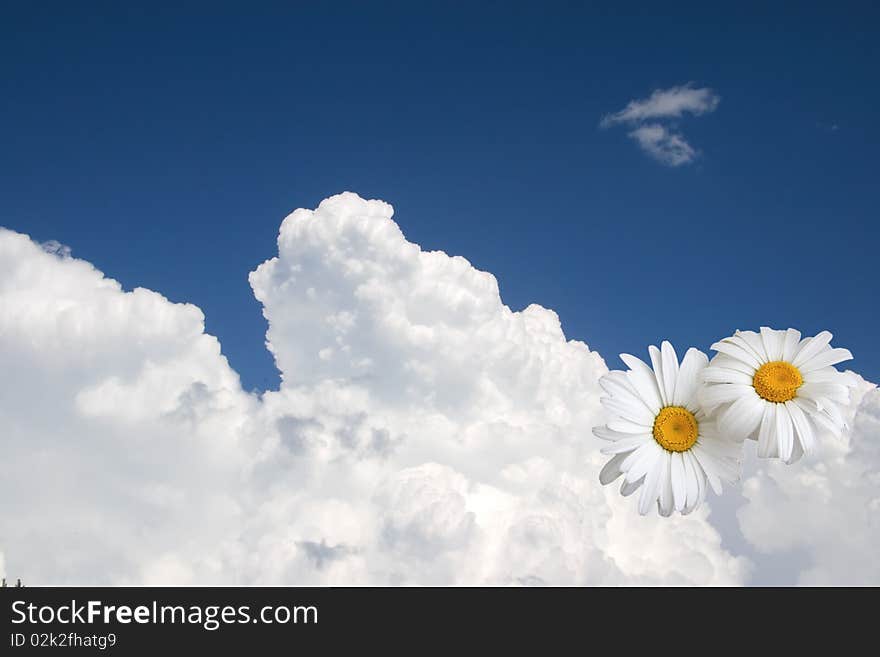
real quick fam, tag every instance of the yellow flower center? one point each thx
(777, 381)
(675, 429)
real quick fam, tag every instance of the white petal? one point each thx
(737, 353)
(754, 343)
(819, 418)
(826, 358)
(642, 378)
(665, 502)
(715, 374)
(657, 364)
(688, 381)
(816, 391)
(623, 426)
(701, 479)
(719, 447)
(604, 433)
(784, 432)
(616, 384)
(721, 393)
(612, 470)
(627, 488)
(627, 444)
(831, 375)
(692, 498)
(729, 363)
(635, 412)
(611, 382)
(790, 344)
(670, 369)
(772, 341)
(833, 411)
(636, 465)
(742, 418)
(679, 488)
(707, 462)
(810, 347)
(823, 411)
(651, 490)
(802, 427)
(796, 452)
(767, 432)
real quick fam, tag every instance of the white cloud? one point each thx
(423, 432)
(666, 145)
(666, 104)
(121, 419)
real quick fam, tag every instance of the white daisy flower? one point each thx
(777, 389)
(660, 438)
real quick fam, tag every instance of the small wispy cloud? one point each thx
(664, 144)
(666, 103)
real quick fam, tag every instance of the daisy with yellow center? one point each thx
(659, 438)
(778, 389)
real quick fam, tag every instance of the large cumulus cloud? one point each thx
(423, 431)
(119, 421)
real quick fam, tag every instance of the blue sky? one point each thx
(166, 144)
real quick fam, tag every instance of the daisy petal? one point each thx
(627, 488)
(730, 363)
(688, 380)
(772, 341)
(831, 375)
(665, 503)
(742, 418)
(723, 393)
(715, 374)
(834, 412)
(796, 452)
(708, 464)
(636, 465)
(679, 489)
(651, 490)
(692, 487)
(657, 364)
(826, 358)
(754, 343)
(670, 369)
(637, 413)
(627, 445)
(767, 432)
(790, 344)
(819, 418)
(737, 352)
(833, 391)
(618, 386)
(810, 347)
(784, 432)
(642, 379)
(623, 426)
(701, 478)
(604, 433)
(612, 470)
(802, 427)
